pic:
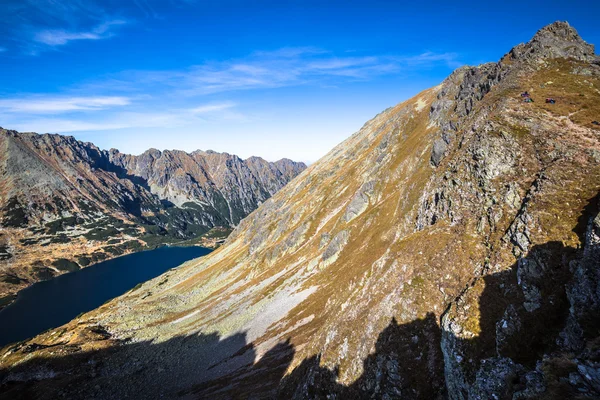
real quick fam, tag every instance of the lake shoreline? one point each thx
(21, 279)
(52, 303)
(202, 242)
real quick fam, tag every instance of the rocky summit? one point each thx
(447, 250)
(66, 204)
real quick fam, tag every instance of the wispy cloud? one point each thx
(211, 108)
(280, 68)
(450, 59)
(83, 114)
(36, 26)
(2, 49)
(59, 37)
(116, 121)
(289, 52)
(53, 105)
(336, 63)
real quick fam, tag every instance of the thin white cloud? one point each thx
(211, 108)
(290, 52)
(118, 121)
(59, 37)
(336, 63)
(111, 120)
(280, 68)
(36, 26)
(2, 49)
(45, 105)
(450, 59)
(57, 125)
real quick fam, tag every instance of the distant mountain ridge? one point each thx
(220, 183)
(60, 194)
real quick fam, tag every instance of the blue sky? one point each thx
(267, 78)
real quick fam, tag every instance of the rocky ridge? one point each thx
(67, 204)
(446, 250)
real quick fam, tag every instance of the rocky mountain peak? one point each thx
(559, 29)
(557, 40)
(467, 85)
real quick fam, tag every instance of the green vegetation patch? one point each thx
(84, 261)
(102, 234)
(114, 250)
(4, 253)
(133, 245)
(14, 214)
(62, 264)
(59, 225)
(11, 279)
(43, 273)
(219, 232)
(61, 238)
(98, 256)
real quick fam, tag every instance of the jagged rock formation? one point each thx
(67, 204)
(224, 187)
(446, 250)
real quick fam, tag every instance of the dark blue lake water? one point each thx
(55, 302)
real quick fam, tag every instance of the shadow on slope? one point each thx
(141, 370)
(530, 327)
(523, 313)
(407, 364)
(207, 366)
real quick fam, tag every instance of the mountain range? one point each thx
(66, 204)
(448, 249)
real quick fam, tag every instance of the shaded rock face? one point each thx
(65, 199)
(392, 268)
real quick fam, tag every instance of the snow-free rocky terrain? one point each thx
(65, 204)
(449, 249)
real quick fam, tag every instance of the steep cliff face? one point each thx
(446, 250)
(222, 186)
(67, 204)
